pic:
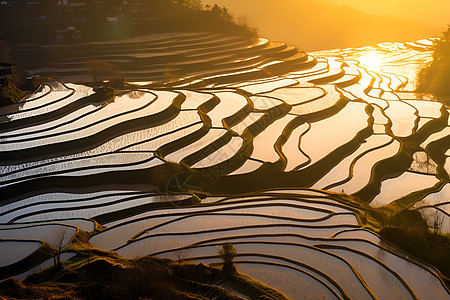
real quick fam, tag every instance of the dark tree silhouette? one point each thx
(434, 77)
(58, 243)
(227, 254)
(101, 71)
(5, 52)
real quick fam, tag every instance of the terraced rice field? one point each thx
(252, 142)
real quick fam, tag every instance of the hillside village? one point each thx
(87, 20)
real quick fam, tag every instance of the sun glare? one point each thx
(370, 61)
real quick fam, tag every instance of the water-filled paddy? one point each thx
(226, 152)
(327, 135)
(393, 189)
(14, 251)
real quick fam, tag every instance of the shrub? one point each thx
(410, 231)
(434, 78)
(101, 71)
(410, 219)
(227, 254)
(10, 94)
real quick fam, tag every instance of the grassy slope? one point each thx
(112, 277)
(98, 274)
(410, 232)
(10, 94)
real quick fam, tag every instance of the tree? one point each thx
(216, 9)
(435, 220)
(194, 4)
(182, 254)
(102, 71)
(226, 14)
(411, 220)
(227, 254)
(58, 243)
(434, 77)
(5, 52)
(222, 12)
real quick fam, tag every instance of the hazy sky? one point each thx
(435, 12)
(324, 24)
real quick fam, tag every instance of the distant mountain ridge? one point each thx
(314, 25)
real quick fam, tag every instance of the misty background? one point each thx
(325, 24)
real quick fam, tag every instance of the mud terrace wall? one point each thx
(249, 142)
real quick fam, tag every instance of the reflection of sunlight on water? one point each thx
(370, 61)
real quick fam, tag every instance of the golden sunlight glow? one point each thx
(370, 61)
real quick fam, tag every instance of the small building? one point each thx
(113, 19)
(78, 4)
(32, 4)
(68, 33)
(5, 73)
(99, 4)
